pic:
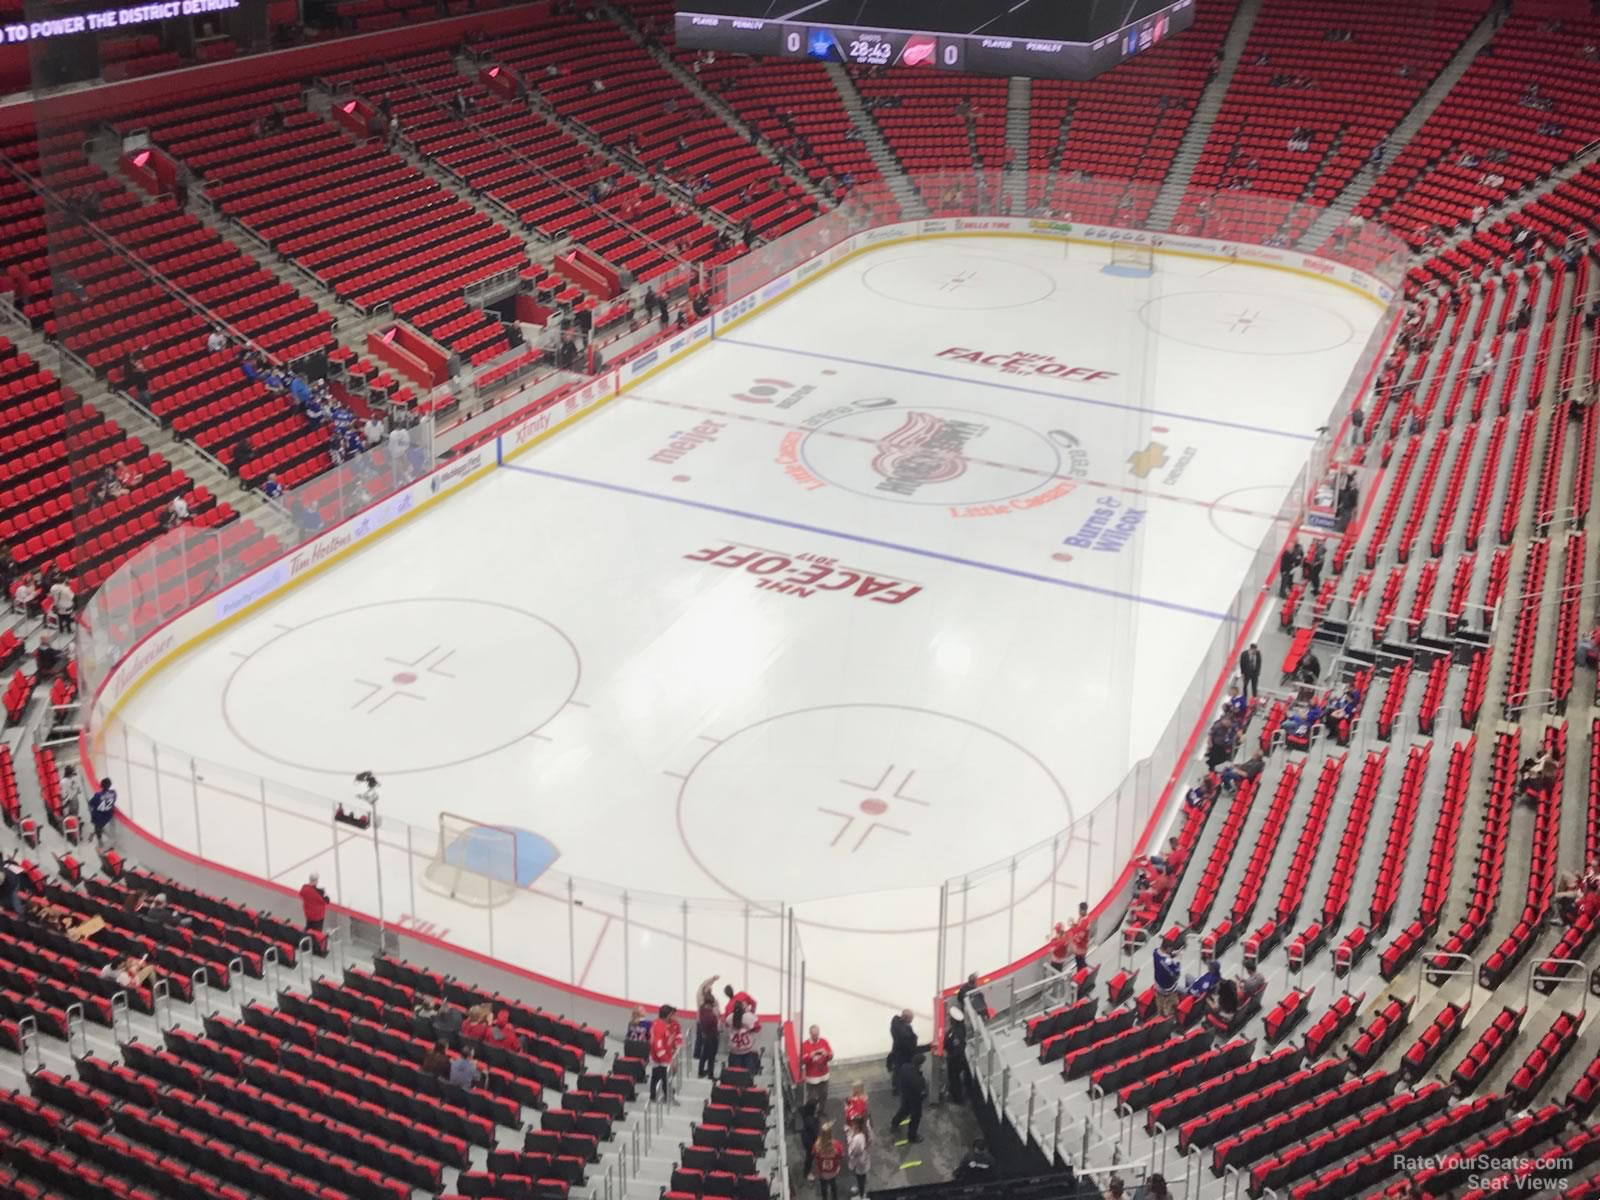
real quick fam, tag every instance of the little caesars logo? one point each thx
(925, 449)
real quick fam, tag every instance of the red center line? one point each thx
(1104, 485)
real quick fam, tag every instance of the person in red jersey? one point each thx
(665, 1037)
(815, 1055)
(315, 902)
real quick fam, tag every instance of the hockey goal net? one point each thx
(472, 862)
(1141, 258)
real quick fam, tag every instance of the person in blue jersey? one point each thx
(102, 809)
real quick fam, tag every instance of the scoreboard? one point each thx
(1047, 39)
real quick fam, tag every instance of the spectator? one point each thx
(372, 431)
(447, 1025)
(436, 1062)
(47, 659)
(123, 971)
(62, 605)
(1168, 974)
(1250, 985)
(733, 997)
(72, 795)
(638, 1030)
(1235, 707)
(502, 1035)
(1116, 1189)
(742, 1026)
(913, 1089)
(8, 567)
(977, 1166)
(1079, 937)
(1155, 1188)
(810, 1129)
(1250, 670)
(815, 1055)
(177, 511)
(464, 1072)
(858, 1154)
(272, 489)
(707, 1030)
(314, 901)
(216, 340)
(13, 882)
(1235, 774)
(855, 1104)
(102, 809)
(955, 1053)
(665, 1038)
(828, 1158)
(476, 1026)
(1292, 556)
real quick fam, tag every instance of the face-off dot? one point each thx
(1061, 556)
(680, 479)
(405, 677)
(874, 807)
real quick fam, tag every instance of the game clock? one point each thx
(874, 48)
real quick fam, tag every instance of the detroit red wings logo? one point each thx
(925, 449)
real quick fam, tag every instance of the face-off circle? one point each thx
(877, 795)
(918, 454)
(1245, 323)
(400, 687)
(959, 282)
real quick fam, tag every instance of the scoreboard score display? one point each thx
(1048, 39)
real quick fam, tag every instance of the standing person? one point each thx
(1250, 671)
(815, 1055)
(810, 1130)
(828, 1158)
(1079, 935)
(1168, 975)
(902, 1043)
(1357, 419)
(62, 604)
(1293, 555)
(665, 1038)
(969, 991)
(855, 1104)
(858, 1154)
(742, 1038)
(913, 1089)
(315, 902)
(955, 1054)
(1313, 566)
(707, 1031)
(102, 809)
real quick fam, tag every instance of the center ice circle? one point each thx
(919, 454)
(400, 686)
(862, 797)
(1246, 323)
(962, 282)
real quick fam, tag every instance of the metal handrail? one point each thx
(120, 1017)
(200, 985)
(271, 969)
(77, 1031)
(161, 1001)
(28, 1039)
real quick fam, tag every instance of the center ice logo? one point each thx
(925, 449)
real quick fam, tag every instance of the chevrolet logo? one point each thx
(1146, 462)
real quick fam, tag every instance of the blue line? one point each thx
(1011, 387)
(867, 541)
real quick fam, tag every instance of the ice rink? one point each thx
(884, 585)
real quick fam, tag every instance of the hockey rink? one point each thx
(890, 582)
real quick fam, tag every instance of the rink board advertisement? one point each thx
(263, 585)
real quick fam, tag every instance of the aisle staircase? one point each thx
(1342, 205)
(1019, 115)
(1205, 116)
(894, 175)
